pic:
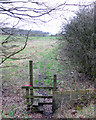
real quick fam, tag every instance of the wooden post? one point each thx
(31, 79)
(27, 94)
(54, 89)
(55, 83)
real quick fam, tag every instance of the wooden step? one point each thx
(45, 103)
(40, 109)
(42, 101)
(38, 96)
(41, 87)
(49, 96)
(35, 102)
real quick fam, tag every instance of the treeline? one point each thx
(22, 32)
(81, 45)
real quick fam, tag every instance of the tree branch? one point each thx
(16, 51)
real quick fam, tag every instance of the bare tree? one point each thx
(24, 11)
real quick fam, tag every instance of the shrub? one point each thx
(81, 45)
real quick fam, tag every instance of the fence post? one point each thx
(55, 83)
(31, 79)
(54, 89)
(27, 94)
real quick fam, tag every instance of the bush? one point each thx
(81, 47)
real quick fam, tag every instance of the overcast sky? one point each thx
(56, 19)
(54, 25)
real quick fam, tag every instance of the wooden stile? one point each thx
(37, 101)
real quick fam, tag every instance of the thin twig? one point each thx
(16, 51)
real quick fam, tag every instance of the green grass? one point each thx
(42, 38)
(49, 55)
(22, 38)
(14, 71)
(16, 38)
(50, 64)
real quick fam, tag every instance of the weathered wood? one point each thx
(54, 89)
(27, 94)
(41, 109)
(31, 72)
(43, 87)
(55, 83)
(31, 79)
(25, 87)
(41, 100)
(38, 96)
(43, 96)
(45, 103)
(35, 102)
(29, 87)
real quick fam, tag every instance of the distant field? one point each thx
(43, 51)
(3, 37)
(36, 49)
(42, 38)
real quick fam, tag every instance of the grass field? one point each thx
(36, 49)
(43, 51)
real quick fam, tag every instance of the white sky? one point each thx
(56, 20)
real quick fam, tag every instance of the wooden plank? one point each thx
(29, 87)
(35, 102)
(25, 87)
(38, 96)
(41, 100)
(41, 87)
(43, 96)
(45, 103)
(40, 108)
